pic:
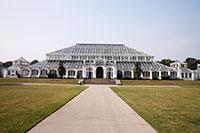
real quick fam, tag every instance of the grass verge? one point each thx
(5, 81)
(161, 82)
(24, 106)
(166, 109)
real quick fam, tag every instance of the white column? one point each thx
(75, 74)
(179, 75)
(159, 75)
(142, 75)
(94, 72)
(114, 73)
(38, 73)
(104, 72)
(132, 74)
(151, 77)
(193, 76)
(169, 73)
(29, 75)
(66, 74)
(5, 73)
(84, 72)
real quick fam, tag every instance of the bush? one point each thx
(52, 75)
(127, 78)
(175, 78)
(165, 77)
(138, 79)
(119, 76)
(155, 78)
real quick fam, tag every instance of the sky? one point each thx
(163, 28)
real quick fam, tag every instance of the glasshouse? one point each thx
(110, 61)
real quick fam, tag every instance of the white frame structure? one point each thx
(116, 60)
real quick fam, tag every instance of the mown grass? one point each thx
(21, 107)
(37, 80)
(172, 109)
(160, 82)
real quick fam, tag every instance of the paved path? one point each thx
(96, 110)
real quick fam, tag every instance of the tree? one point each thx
(166, 62)
(61, 70)
(34, 62)
(7, 64)
(137, 71)
(192, 63)
(1, 67)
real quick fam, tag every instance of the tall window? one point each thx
(25, 72)
(34, 72)
(155, 74)
(71, 73)
(119, 74)
(127, 74)
(89, 73)
(43, 72)
(79, 74)
(109, 73)
(173, 74)
(146, 74)
(190, 75)
(182, 75)
(186, 75)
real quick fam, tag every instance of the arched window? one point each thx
(34, 72)
(43, 72)
(71, 73)
(25, 72)
(146, 74)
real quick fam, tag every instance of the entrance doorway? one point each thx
(99, 72)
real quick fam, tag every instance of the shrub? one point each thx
(175, 78)
(52, 75)
(127, 78)
(155, 77)
(119, 76)
(165, 77)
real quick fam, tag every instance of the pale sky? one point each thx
(163, 28)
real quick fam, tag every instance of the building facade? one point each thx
(105, 61)
(17, 68)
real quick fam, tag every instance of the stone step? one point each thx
(100, 81)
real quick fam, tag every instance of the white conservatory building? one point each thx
(17, 68)
(105, 61)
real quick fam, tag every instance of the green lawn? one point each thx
(37, 80)
(21, 107)
(160, 82)
(175, 109)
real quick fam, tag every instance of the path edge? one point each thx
(54, 111)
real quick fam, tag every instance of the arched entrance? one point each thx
(99, 72)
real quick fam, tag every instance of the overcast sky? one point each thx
(163, 28)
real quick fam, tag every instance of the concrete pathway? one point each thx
(96, 110)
